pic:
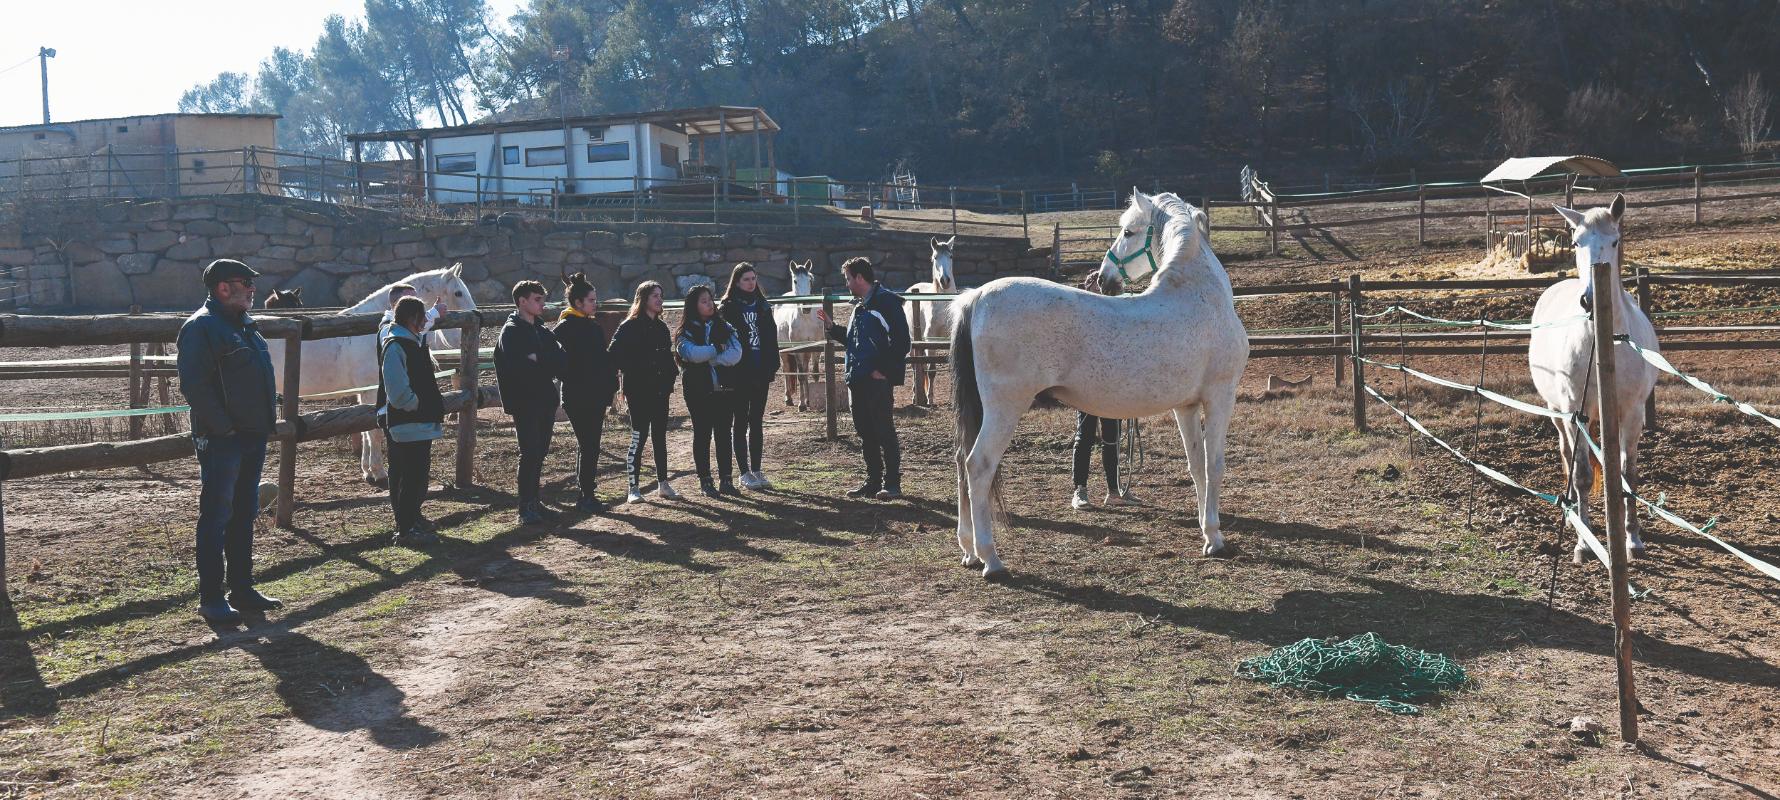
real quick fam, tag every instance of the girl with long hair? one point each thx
(746, 310)
(643, 350)
(708, 351)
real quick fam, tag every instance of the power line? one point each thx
(16, 66)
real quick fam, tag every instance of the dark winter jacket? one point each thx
(407, 393)
(877, 338)
(590, 379)
(708, 370)
(643, 350)
(758, 332)
(225, 373)
(527, 386)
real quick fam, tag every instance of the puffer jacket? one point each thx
(225, 373)
(589, 380)
(877, 338)
(760, 359)
(706, 369)
(643, 349)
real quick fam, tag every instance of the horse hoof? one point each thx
(1638, 554)
(997, 575)
(971, 562)
(1578, 557)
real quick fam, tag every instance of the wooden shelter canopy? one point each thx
(1520, 169)
(708, 121)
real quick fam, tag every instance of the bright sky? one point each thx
(129, 58)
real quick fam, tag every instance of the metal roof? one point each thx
(1520, 169)
(62, 125)
(708, 121)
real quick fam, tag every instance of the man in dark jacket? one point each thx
(527, 360)
(877, 341)
(225, 373)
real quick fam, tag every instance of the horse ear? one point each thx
(1573, 217)
(297, 292)
(951, 240)
(1618, 209)
(1141, 200)
(933, 242)
(456, 270)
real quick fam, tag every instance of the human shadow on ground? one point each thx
(22, 689)
(335, 690)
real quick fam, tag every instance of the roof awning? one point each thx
(709, 121)
(1520, 169)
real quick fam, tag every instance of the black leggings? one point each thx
(712, 414)
(648, 420)
(1108, 430)
(750, 410)
(587, 421)
(410, 465)
(533, 429)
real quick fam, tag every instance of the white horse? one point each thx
(798, 323)
(933, 320)
(1178, 346)
(332, 365)
(1562, 360)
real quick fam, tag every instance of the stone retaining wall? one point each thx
(152, 252)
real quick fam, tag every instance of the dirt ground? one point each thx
(793, 643)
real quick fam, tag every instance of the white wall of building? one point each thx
(519, 181)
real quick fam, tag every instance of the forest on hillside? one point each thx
(1024, 91)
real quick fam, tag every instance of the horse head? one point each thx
(803, 278)
(943, 281)
(444, 284)
(280, 298)
(1595, 233)
(1132, 256)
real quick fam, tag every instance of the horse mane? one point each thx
(1179, 234)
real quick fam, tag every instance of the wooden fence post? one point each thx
(287, 449)
(1025, 232)
(1335, 320)
(1570, 191)
(1421, 217)
(1359, 349)
(469, 361)
(920, 370)
(1644, 305)
(833, 397)
(1273, 228)
(1613, 509)
(952, 198)
(137, 392)
(1699, 182)
(1056, 249)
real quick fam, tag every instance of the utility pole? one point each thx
(44, 54)
(561, 56)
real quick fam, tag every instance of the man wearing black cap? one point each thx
(225, 373)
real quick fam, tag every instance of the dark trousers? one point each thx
(587, 422)
(1086, 428)
(873, 400)
(712, 415)
(410, 465)
(750, 411)
(648, 420)
(229, 500)
(533, 427)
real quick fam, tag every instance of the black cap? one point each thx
(227, 269)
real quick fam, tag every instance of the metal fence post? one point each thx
(1699, 180)
(1359, 350)
(287, 449)
(832, 397)
(636, 198)
(469, 343)
(1613, 509)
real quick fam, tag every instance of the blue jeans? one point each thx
(229, 467)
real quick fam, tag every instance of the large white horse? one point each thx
(933, 320)
(798, 323)
(1178, 346)
(332, 365)
(1562, 359)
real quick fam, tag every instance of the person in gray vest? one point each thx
(225, 373)
(413, 415)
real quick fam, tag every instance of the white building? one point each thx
(609, 158)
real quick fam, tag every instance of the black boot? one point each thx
(706, 488)
(868, 489)
(251, 601)
(727, 486)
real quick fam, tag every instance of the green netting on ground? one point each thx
(1363, 669)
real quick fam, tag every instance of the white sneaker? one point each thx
(634, 496)
(1126, 499)
(1080, 500)
(760, 481)
(749, 482)
(666, 492)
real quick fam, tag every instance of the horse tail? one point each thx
(1600, 473)
(967, 397)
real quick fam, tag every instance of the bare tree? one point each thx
(1598, 116)
(1391, 123)
(1746, 111)
(1519, 124)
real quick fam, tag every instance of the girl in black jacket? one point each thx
(643, 350)
(708, 351)
(746, 310)
(588, 382)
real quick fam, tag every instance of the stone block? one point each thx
(620, 256)
(1036, 264)
(282, 253)
(748, 254)
(903, 259)
(288, 240)
(713, 257)
(463, 245)
(175, 284)
(441, 231)
(319, 286)
(898, 280)
(237, 245)
(268, 224)
(355, 255)
(544, 255)
(563, 240)
(396, 267)
(137, 263)
(474, 271)
(272, 266)
(736, 239)
(339, 268)
(687, 269)
(676, 257)
(353, 236)
(704, 242)
(243, 228)
(321, 236)
(116, 212)
(234, 213)
(151, 212)
(102, 286)
(78, 252)
(526, 240)
(720, 270)
(770, 242)
(202, 209)
(402, 235)
(21, 257)
(412, 249)
(429, 263)
(599, 240)
(117, 245)
(842, 257)
(309, 217)
(670, 243)
(205, 227)
(686, 282)
(383, 252)
(637, 239)
(312, 255)
(509, 262)
(357, 287)
(632, 271)
(490, 292)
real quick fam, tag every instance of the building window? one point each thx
(509, 155)
(544, 156)
(595, 134)
(619, 151)
(39, 136)
(197, 166)
(123, 129)
(455, 162)
(670, 156)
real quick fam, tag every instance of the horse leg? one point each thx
(1582, 477)
(985, 458)
(1192, 437)
(372, 462)
(789, 365)
(1218, 411)
(1628, 469)
(966, 534)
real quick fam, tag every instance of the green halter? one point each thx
(1148, 236)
